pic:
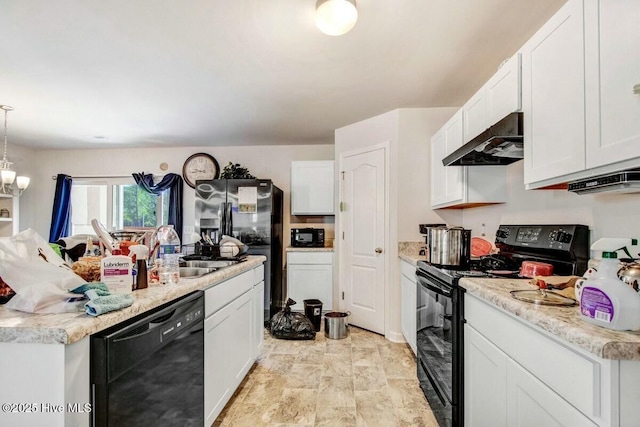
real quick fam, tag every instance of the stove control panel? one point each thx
(564, 238)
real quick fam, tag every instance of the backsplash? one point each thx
(410, 248)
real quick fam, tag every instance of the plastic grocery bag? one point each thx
(292, 326)
(38, 276)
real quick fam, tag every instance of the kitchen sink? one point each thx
(194, 272)
(211, 264)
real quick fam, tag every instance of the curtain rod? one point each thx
(55, 177)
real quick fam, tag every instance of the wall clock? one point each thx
(200, 166)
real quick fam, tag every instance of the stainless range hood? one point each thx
(617, 182)
(501, 144)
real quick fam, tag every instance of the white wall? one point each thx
(267, 162)
(607, 215)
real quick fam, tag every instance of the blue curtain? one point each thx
(173, 183)
(61, 215)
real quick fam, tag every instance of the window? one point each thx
(118, 203)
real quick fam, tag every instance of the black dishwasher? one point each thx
(149, 371)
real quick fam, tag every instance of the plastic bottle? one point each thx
(168, 240)
(605, 300)
(170, 269)
(116, 272)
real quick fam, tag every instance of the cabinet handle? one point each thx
(636, 89)
(378, 250)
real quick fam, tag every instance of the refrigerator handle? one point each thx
(228, 225)
(223, 218)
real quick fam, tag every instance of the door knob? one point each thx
(378, 250)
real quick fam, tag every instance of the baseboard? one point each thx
(395, 337)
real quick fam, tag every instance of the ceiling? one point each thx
(159, 73)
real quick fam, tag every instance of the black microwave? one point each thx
(307, 237)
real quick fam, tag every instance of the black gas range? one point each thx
(440, 304)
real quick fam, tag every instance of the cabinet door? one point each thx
(447, 181)
(502, 91)
(553, 96)
(438, 184)
(485, 382)
(530, 403)
(613, 71)
(454, 175)
(258, 319)
(217, 381)
(474, 116)
(408, 313)
(312, 188)
(310, 281)
(240, 339)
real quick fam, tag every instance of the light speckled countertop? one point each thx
(563, 322)
(66, 328)
(296, 249)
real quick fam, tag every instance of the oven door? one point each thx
(438, 345)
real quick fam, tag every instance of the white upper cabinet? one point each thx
(578, 77)
(9, 224)
(553, 96)
(312, 188)
(474, 113)
(612, 74)
(462, 186)
(503, 92)
(446, 181)
(498, 97)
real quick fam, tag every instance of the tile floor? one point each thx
(362, 380)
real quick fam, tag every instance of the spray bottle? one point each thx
(605, 300)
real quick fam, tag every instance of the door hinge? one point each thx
(343, 295)
(341, 206)
(342, 173)
(343, 235)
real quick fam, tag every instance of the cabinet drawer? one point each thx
(310, 257)
(572, 375)
(409, 270)
(223, 293)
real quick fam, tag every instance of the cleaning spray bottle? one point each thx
(605, 300)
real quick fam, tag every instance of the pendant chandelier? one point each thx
(336, 17)
(8, 175)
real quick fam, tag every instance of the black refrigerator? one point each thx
(249, 210)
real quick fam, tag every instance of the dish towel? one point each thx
(105, 304)
(101, 300)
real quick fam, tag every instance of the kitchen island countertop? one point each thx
(564, 323)
(67, 328)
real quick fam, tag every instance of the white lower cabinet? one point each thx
(231, 344)
(485, 382)
(258, 322)
(530, 403)
(310, 276)
(517, 376)
(409, 297)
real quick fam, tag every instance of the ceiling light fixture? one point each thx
(6, 173)
(336, 17)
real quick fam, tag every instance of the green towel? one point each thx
(99, 288)
(105, 304)
(101, 300)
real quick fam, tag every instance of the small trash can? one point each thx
(313, 310)
(336, 326)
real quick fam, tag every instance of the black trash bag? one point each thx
(292, 326)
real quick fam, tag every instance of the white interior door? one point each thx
(362, 222)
